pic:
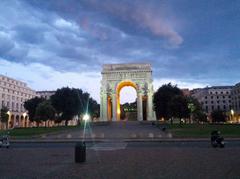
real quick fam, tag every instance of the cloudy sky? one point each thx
(55, 43)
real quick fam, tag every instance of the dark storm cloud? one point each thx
(187, 40)
(6, 43)
(28, 33)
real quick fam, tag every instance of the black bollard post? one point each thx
(80, 152)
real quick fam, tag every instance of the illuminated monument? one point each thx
(117, 76)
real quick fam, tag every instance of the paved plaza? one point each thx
(114, 130)
(121, 160)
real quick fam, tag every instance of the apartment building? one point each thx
(235, 112)
(214, 98)
(13, 94)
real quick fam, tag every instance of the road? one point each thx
(121, 160)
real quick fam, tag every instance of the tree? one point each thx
(200, 116)
(4, 115)
(178, 107)
(45, 111)
(218, 116)
(88, 104)
(31, 106)
(94, 108)
(67, 103)
(196, 112)
(162, 98)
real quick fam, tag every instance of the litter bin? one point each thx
(80, 152)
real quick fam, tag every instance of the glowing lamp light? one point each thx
(118, 111)
(86, 117)
(232, 111)
(24, 114)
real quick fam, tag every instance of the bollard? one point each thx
(80, 152)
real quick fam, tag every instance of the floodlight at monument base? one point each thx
(86, 117)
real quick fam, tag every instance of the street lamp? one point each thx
(232, 114)
(9, 117)
(24, 114)
(24, 119)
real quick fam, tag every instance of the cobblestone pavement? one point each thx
(121, 162)
(115, 130)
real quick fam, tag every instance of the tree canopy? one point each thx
(169, 102)
(31, 106)
(67, 103)
(4, 115)
(63, 105)
(178, 107)
(218, 116)
(45, 111)
(70, 102)
(162, 99)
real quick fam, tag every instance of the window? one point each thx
(13, 106)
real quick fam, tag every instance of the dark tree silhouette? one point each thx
(162, 98)
(218, 116)
(31, 106)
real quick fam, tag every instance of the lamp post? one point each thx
(232, 114)
(9, 117)
(24, 117)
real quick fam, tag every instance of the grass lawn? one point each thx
(203, 130)
(29, 132)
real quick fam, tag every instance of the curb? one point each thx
(119, 140)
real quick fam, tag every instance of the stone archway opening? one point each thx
(127, 101)
(11, 122)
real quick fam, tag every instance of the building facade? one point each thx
(214, 98)
(13, 94)
(45, 94)
(235, 112)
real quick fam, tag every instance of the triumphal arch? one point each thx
(117, 76)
